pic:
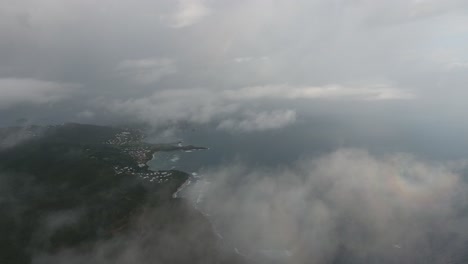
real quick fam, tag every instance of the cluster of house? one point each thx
(156, 177)
(139, 154)
(125, 137)
(151, 176)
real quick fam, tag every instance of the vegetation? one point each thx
(60, 190)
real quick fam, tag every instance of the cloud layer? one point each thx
(20, 91)
(146, 71)
(362, 92)
(188, 12)
(259, 121)
(245, 109)
(346, 207)
(266, 54)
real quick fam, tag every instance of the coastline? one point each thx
(181, 187)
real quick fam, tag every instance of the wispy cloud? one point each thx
(225, 45)
(346, 205)
(232, 109)
(146, 71)
(85, 114)
(32, 91)
(251, 121)
(188, 12)
(367, 92)
(202, 106)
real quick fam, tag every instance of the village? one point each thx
(151, 176)
(130, 142)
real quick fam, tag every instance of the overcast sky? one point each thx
(241, 65)
(392, 74)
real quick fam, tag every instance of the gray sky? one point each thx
(243, 65)
(387, 73)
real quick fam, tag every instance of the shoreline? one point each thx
(182, 187)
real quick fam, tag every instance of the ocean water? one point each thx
(302, 140)
(186, 161)
(265, 148)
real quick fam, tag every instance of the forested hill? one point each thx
(70, 192)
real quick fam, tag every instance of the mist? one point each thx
(347, 206)
(335, 131)
(344, 207)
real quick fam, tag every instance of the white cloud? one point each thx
(345, 42)
(199, 106)
(261, 121)
(86, 114)
(202, 106)
(189, 12)
(348, 202)
(233, 109)
(250, 59)
(146, 71)
(457, 65)
(16, 91)
(375, 92)
(243, 59)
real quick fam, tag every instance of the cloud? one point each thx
(259, 121)
(242, 59)
(456, 65)
(146, 71)
(404, 12)
(17, 135)
(198, 106)
(202, 106)
(189, 12)
(172, 232)
(233, 108)
(86, 114)
(346, 44)
(347, 205)
(376, 92)
(15, 91)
